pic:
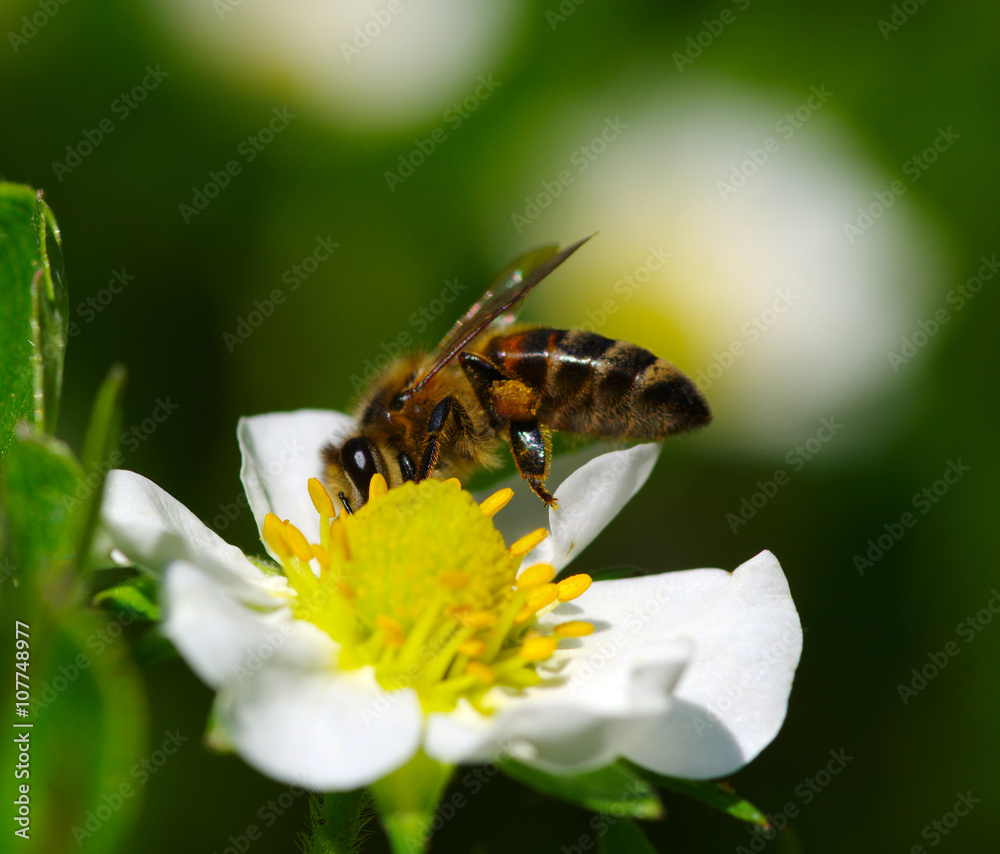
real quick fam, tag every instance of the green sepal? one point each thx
(135, 596)
(616, 789)
(623, 836)
(34, 312)
(407, 800)
(714, 795)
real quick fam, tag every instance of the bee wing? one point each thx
(508, 289)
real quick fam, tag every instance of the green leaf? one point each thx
(616, 789)
(135, 596)
(41, 516)
(100, 450)
(33, 313)
(713, 795)
(624, 837)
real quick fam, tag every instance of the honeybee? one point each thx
(443, 414)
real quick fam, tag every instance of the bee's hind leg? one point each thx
(532, 448)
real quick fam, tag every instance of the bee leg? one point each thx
(531, 448)
(505, 399)
(446, 409)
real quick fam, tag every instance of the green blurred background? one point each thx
(693, 112)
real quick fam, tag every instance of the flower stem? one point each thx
(337, 822)
(408, 799)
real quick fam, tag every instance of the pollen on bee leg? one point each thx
(521, 547)
(273, 534)
(496, 502)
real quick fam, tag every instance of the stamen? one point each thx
(273, 534)
(524, 545)
(544, 594)
(300, 545)
(570, 588)
(481, 672)
(473, 648)
(496, 502)
(377, 487)
(321, 499)
(540, 573)
(573, 629)
(538, 649)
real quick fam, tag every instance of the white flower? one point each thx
(686, 673)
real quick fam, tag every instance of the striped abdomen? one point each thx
(595, 385)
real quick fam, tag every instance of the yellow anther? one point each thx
(453, 481)
(496, 502)
(300, 545)
(273, 534)
(570, 588)
(573, 629)
(525, 614)
(476, 619)
(527, 543)
(538, 649)
(544, 594)
(391, 629)
(481, 672)
(321, 499)
(377, 487)
(456, 580)
(474, 647)
(322, 555)
(540, 573)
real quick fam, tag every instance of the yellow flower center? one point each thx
(419, 585)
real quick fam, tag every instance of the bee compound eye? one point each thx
(359, 459)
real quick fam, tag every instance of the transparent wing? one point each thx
(509, 288)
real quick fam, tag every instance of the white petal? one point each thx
(325, 729)
(152, 528)
(225, 631)
(594, 485)
(590, 498)
(733, 696)
(281, 451)
(688, 673)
